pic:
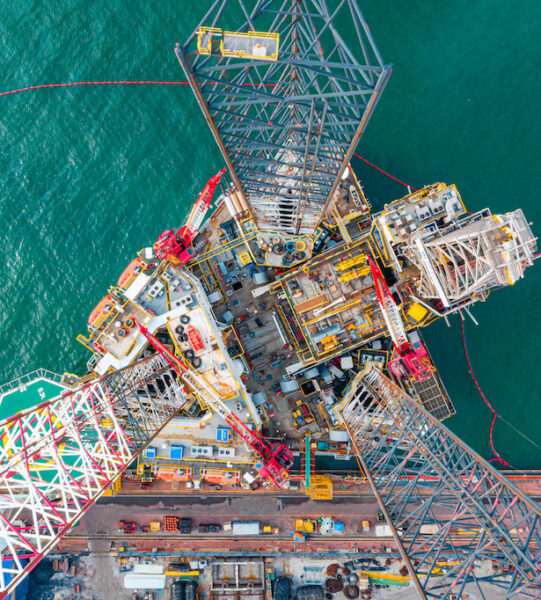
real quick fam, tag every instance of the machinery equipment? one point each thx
(175, 245)
(415, 360)
(275, 459)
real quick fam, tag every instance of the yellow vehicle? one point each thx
(305, 525)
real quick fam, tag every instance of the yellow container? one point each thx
(417, 311)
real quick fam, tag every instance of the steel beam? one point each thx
(58, 458)
(308, 108)
(460, 525)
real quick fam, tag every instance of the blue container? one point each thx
(176, 452)
(338, 526)
(151, 452)
(222, 434)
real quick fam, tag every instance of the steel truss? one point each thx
(459, 524)
(287, 127)
(58, 458)
(470, 257)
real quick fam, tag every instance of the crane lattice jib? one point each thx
(200, 208)
(286, 121)
(277, 472)
(389, 309)
(58, 458)
(460, 525)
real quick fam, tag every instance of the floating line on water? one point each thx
(385, 172)
(497, 456)
(82, 83)
(78, 83)
(495, 414)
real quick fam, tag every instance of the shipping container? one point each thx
(245, 527)
(383, 530)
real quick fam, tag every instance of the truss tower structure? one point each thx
(58, 458)
(287, 96)
(460, 525)
(471, 256)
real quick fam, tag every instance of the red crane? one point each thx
(275, 459)
(175, 245)
(416, 361)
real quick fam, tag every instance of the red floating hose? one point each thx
(384, 172)
(80, 83)
(497, 457)
(76, 83)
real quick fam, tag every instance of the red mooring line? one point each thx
(497, 457)
(77, 83)
(80, 83)
(384, 172)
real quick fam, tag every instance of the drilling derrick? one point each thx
(465, 260)
(59, 457)
(460, 525)
(287, 100)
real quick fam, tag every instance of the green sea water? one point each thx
(90, 175)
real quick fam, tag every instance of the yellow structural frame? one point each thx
(202, 30)
(251, 34)
(207, 50)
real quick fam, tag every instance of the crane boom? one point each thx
(389, 309)
(175, 245)
(416, 361)
(275, 459)
(199, 209)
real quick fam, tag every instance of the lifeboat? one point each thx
(221, 476)
(195, 338)
(103, 306)
(134, 268)
(174, 473)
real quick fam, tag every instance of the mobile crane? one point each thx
(275, 460)
(415, 361)
(175, 245)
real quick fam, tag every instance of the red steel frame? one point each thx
(59, 457)
(275, 459)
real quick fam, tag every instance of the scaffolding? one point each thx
(286, 98)
(443, 502)
(468, 258)
(59, 457)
